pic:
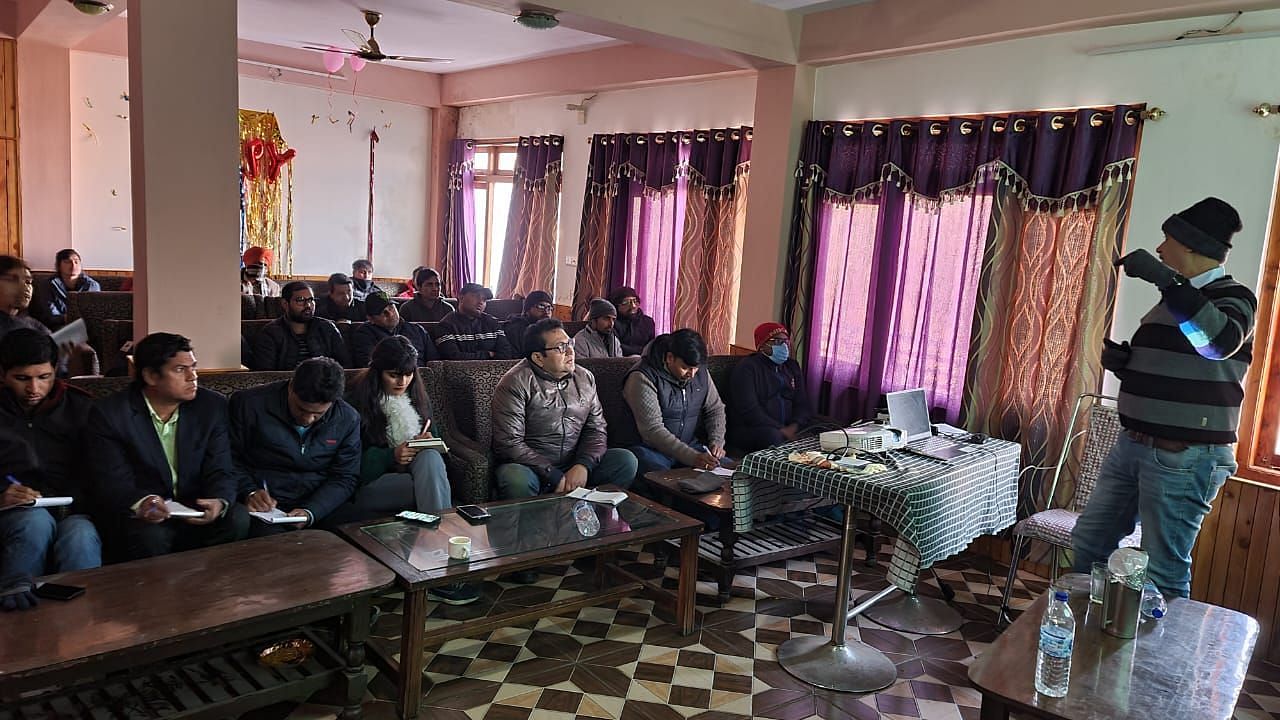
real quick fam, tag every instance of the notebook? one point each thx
(44, 502)
(598, 496)
(431, 443)
(178, 510)
(276, 516)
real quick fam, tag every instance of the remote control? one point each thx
(424, 518)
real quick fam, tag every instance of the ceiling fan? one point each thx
(368, 49)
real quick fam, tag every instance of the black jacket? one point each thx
(472, 338)
(765, 394)
(56, 431)
(514, 327)
(329, 310)
(316, 471)
(415, 311)
(368, 335)
(276, 348)
(129, 462)
(634, 334)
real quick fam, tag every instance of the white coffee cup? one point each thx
(460, 547)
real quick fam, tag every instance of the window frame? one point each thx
(486, 180)
(1259, 431)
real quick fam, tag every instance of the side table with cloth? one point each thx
(937, 507)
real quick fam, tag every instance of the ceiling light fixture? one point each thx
(536, 20)
(92, 7)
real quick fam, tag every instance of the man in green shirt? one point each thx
(163, 460)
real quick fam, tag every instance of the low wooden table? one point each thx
(178, 635)
(522, 534)
(1190, 664)
(725, 551)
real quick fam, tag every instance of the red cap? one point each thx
(764, 331)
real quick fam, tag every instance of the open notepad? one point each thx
(431, 443)
(598, 496)
(44, 502)
(276, 516)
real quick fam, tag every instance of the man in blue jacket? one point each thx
(297, 445)
(164, 439)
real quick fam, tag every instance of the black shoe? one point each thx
(523, 577)
(455, 594)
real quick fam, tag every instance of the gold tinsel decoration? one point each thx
(266, 188)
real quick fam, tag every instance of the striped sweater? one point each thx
(1184, 379)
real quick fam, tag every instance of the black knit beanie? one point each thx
(1205, 227)
(537, 297)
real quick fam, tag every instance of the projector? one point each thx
(863, 438)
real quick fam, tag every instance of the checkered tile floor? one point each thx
(618, 662)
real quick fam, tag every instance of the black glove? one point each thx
(16, 592)
(1115, 356)
(1145, 266)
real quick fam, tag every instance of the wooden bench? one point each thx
(178, 636)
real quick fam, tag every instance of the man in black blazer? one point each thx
(161, 440)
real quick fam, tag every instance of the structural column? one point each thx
(184, 147)
(784, 103)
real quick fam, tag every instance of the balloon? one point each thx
(357, 63)
(332, 61)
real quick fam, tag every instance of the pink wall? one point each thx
(44, 150)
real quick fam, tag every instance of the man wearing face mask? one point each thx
(670, 397)
(769, 402)
(254, 279)
(597, 339)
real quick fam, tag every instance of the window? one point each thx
(495, 164)
(1259, 450)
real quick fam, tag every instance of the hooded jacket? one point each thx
(55, 429)
(464, 337)
(548, 424)
(667, 413)
(316, 470)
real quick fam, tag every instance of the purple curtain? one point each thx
(458, 267)
(888, 238)
(529, 253)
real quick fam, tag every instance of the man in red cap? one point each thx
(768, 404)
(254, 279)
(1181, 384)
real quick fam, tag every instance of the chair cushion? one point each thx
(1055, 526)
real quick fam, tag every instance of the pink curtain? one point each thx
(529, 253)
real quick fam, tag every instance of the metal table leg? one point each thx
(914, 614)
(836, 664)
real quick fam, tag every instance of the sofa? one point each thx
(461, 394)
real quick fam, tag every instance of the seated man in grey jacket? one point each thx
(548, 424)
(670, 396)
(597, 339)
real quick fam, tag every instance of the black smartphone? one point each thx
(53, 591)
(474, 514)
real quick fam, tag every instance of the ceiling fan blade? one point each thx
(357, 38)
(409, 58)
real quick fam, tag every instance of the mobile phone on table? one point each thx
(474, 514)
(54, 591)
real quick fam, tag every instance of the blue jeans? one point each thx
(424, 488)
(33, 541)
(648, 459)
(617, 467)
(1170, 492)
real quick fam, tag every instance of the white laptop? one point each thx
(909, 412)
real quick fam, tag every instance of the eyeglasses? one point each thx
(630, 301)
(779, 340)
(304, 301)
(545, 307)
(561, 348)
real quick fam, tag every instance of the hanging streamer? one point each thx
(373, 146)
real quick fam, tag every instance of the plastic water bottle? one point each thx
(1057, 638)
(585, 516)
(1153, 605)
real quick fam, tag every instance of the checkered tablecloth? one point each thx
(938, 508)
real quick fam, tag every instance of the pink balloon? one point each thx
(332, 61)
(357, 63)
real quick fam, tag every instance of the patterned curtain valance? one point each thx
(716, 157)
(943, 159)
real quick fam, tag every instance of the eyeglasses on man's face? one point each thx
(303, 301)
(778, 340)
(628, 302)
(563, 348)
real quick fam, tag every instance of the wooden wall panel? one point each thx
(10, 197)
(1236, 563)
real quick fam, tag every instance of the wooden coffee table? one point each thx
(725, 551)
(179, 635)
(1190, 664)
(522, 534)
